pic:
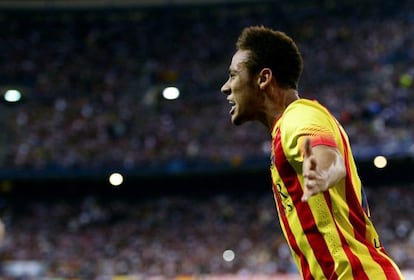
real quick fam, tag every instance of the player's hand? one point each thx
(314, 180)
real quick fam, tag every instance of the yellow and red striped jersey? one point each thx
(331, 236)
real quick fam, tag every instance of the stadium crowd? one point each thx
(91, 83)
(92, 80)
(94, 237)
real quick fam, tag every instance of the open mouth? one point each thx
(233, 107)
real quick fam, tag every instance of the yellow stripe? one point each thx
(326, 226)
(320, 118)
(369, 265)
(297, 230)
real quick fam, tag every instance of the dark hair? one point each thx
(272, 49)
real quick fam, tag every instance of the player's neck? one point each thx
(280, 100)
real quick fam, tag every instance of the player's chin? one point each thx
(237, 120)
(237, 123)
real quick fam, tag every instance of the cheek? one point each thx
(235, 85)
(240, 87)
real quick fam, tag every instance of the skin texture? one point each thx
(259, 97)
(2, 231)
(242, 91)
(323, 167)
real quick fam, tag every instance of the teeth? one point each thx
(232, 110)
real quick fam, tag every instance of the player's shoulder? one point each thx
(305, 113)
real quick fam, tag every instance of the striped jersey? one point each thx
(331, 236)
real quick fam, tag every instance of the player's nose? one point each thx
(225, 89)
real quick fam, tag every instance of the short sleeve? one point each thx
(302, 121)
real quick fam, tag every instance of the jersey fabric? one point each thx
(331, 236)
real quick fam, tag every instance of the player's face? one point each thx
(241, 90)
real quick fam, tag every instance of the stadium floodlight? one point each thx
(171, 93)
(12, 95)
(116, 179)
(229, 255)
(380, 161)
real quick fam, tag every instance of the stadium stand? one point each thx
(99, 237)
(91, 80)
(91, 83)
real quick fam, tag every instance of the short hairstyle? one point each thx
(272, 49)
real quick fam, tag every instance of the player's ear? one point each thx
(264, 78)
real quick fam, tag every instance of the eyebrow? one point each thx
(232, 70)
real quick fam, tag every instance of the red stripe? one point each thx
(356, 266)
(315, 239)
(323, 141)
(304, 265)
(357, 219)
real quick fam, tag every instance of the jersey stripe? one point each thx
(354, 261)
(357, 273)
(304, 265)
(316, 241)
(359, 228)
(331, 236)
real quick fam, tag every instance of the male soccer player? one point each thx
(321, 204)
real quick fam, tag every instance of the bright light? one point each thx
(229, 255)
(116, 179)
(380, 161)
(171, 93)
(12, 95)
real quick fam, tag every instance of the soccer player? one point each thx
(321, 204)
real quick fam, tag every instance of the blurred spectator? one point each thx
(97, 236)
(92, 82)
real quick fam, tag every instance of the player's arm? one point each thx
(323, 167)
(2, 231)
